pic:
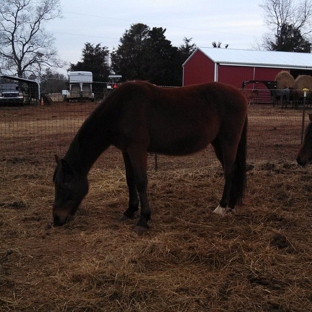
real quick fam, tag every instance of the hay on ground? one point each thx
(258, 259)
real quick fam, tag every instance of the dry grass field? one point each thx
(259, 259)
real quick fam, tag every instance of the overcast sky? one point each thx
(237, 23)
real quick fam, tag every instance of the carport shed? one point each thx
(31, 88)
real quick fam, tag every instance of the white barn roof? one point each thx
(273, 59)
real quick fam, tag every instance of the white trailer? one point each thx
(80, 86)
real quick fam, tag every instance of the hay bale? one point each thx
(303, 81)
(284, 80)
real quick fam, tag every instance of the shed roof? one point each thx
(273, 59)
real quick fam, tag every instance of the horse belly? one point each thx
(180, 145)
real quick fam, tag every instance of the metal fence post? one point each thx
(303, 112)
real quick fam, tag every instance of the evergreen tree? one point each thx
(186, 49)
(290, 39)
(127, 60)
(160, 58)
(147, 54)
(94, 59)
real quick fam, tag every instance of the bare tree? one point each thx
(26, 48)
(281, 13)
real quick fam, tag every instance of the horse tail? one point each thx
(239, 178)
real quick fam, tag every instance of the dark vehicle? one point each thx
(10, 94)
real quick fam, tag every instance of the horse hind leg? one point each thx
(234, 172)
(227, 203)
(223, 205)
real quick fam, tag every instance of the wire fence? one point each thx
(41, 131)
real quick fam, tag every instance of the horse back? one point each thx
(178, 121)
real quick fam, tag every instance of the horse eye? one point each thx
(67, 179)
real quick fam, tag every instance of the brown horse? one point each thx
(140, 118)
(305, 152)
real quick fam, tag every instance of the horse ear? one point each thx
(66, 167)
(64, 164)
(57, 159)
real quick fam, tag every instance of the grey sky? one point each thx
(237, 23)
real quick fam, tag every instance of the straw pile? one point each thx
(284, 80)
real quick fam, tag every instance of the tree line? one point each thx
(143, 53)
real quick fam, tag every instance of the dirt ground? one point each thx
(258, 259)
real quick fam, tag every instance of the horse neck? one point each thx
(90, 142)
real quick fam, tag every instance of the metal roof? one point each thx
(273, 59)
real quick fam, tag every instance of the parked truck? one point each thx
(10, 93)
(80, 86)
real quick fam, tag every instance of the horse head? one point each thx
(305, 152)
(70, 188)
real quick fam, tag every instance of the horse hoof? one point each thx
(223, 210)
(125, 218)
(140, 229)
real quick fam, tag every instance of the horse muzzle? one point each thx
(300, 162)
(60, 219)
(303, 161)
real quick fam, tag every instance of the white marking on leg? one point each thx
(220, 210)
(223, 210)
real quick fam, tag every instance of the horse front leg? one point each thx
(133, 205)
(139, 164)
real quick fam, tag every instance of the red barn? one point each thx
(236, 66)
